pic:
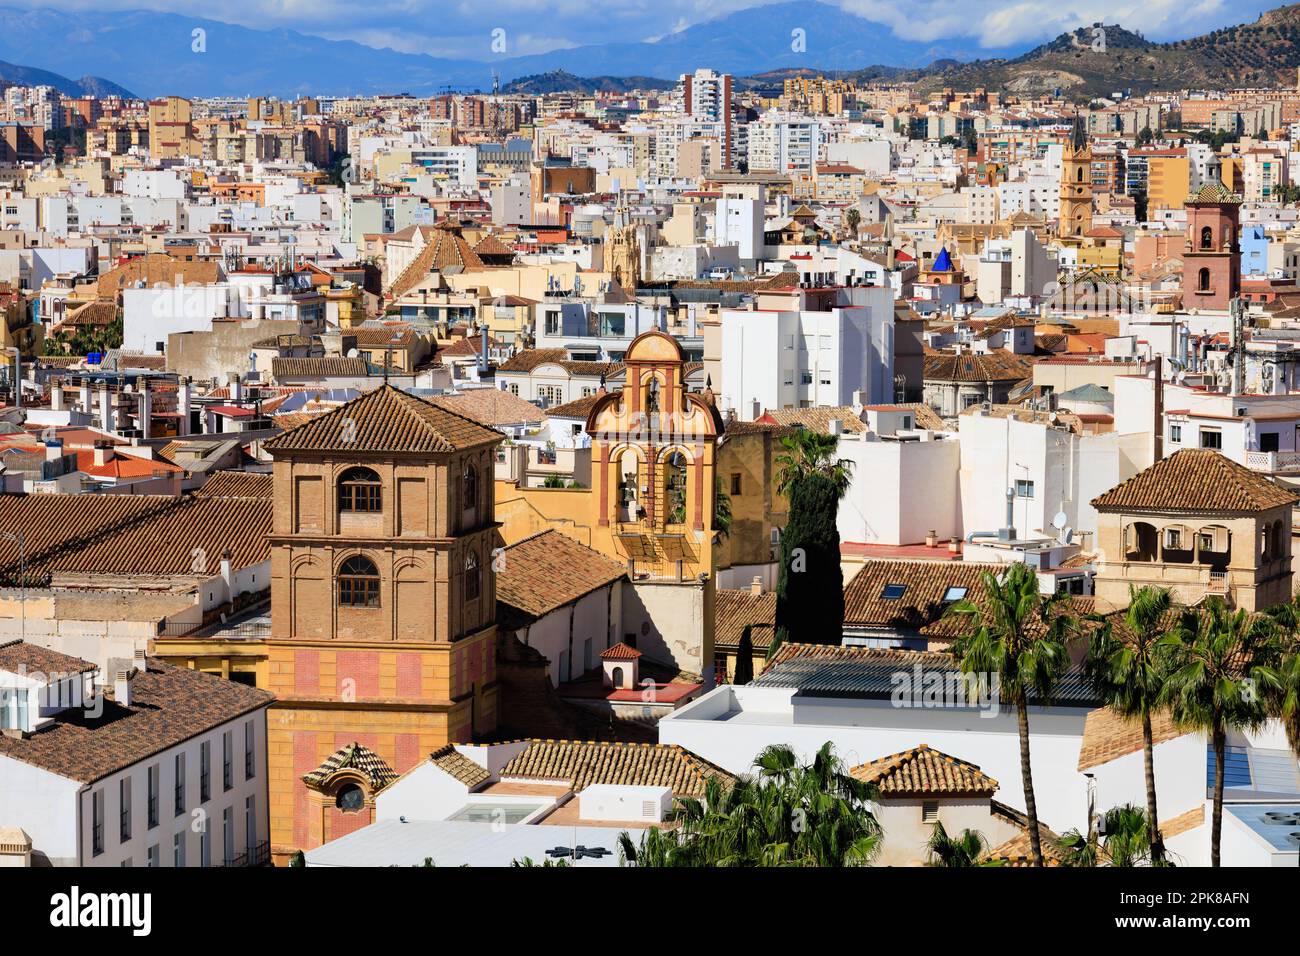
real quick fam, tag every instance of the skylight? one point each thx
(893, 592)
(954, 593)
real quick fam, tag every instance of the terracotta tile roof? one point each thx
(1195, 479)
(169, 705)
(529, 359)
(1107, 735)
(354, 757)
(237, 484)
(923, 416)
(124, 466)
(398, 336)
(1183, 823)
(386, 420)
(445, 249)
(491, 406)
(817, 418)
(100, 312)
(490, 245)
(923, 771)
(578, 408)
(550, 570)
(21, 658)
(455, 763)
(581, 764)
(734, 610)
(1214, 192)
(154, 268)
(840, 654)
(925, 584)
(1017, 851)
(593, 369)
(322, 367)
(620, 652)
(132, 534)
(969, 367)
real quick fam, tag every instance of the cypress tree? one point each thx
(810, 589)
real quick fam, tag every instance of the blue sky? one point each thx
(463, 28)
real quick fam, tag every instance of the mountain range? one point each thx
(14, 75)
(154, 53)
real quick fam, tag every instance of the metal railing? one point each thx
(259, 855)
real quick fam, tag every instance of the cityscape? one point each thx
(785, 436)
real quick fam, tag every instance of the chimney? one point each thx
(103, 452)
(54, 449)
(756, 585)
(227, 575)
(858, 403)
(236, 388)
(183, 404)
(105, 407)
(145, 406)
(57, 400)
(122, 687)
(85, 397)
(140, 660)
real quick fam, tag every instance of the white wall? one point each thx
(900, 491)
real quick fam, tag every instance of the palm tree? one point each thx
(1122, 840)
(966, 849)
(1128, 671)
(808, 452)
(1020, 638)
(788, 814)
(1218, 666)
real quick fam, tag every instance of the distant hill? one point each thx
(13, 75)
(558, 81)
(1263, 53)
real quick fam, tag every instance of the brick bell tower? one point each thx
(1212, 255)
(383, 601)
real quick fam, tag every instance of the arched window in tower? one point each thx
(1207, 238)
(1203, 281)
(360, 490)
(675, 488)
(652, 396)
(469, 488)
(1079, 178)
(358, 582)
(473, 578)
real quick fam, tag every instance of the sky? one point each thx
(464, 28)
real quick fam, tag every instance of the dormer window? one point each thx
(360, 491)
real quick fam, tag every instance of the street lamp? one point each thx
(17, 538)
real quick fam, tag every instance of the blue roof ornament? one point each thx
(942, 262)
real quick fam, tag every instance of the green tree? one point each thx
(787, 814)
(1145, 137)
(965, 849)
(721, 509)
(1019, 637)
(553, 481)
(810, 587)
(854, 218)
(1127, 665)
(1122, 840)
(744, 658)
(1218, 668)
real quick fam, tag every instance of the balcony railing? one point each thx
(1273, 462)
(259, 855)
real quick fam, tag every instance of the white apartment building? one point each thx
(806, 347)
(142, 777)
(784, 142)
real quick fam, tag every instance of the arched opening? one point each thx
(1140, 542)
(469, 488)
(1177, 545)
(350, 798)
(1079, 177)
(473, 577)
(616, 675)
(1203, 280)
(360, 491)
(629, 504)
(1207, 238)
(1214, 547)
(358, 581)
(675, 488)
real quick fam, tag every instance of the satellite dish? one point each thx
(353, 353)
(1059, 519)
(1067, 536)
